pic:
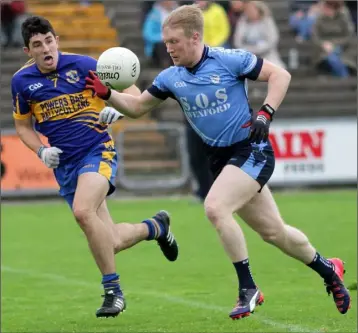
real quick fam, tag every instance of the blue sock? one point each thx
(111, 282)
(155, 228)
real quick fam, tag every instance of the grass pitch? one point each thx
(51, 284)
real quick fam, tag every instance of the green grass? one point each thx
(50, 282)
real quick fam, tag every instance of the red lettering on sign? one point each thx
(298, 144)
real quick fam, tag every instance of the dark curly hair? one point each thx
(35, 25)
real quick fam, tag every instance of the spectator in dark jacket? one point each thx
(334, 40)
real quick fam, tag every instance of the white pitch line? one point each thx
(169, 298)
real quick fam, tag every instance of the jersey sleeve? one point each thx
(21, 108)
(159, 88)
(243, 63)
(90, 64)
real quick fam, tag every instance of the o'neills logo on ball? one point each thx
(111, 67)
(108, 76)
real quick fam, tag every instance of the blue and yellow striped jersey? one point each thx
(64, 110)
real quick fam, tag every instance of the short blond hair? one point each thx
(188, 17)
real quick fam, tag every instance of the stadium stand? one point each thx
(71, 21)
(310, 93)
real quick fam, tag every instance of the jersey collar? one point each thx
(194, 69)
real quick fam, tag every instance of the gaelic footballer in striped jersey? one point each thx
(50, 90)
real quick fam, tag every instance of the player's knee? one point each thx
(214, 211)
(82, 216)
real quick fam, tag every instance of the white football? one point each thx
(118, 68)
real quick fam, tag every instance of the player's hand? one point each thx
(109, 115)
(260, 125)
(99, 89)
(50, 156)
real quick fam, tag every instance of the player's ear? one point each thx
(196, 37)
(27, 51)
(57, 38)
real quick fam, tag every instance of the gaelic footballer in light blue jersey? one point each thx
(213, 94)
(210, 85)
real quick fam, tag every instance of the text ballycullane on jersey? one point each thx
(64, 105)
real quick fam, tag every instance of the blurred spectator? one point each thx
(235, 11)
(152, 33)
(333, 37)
(256, 31)
(303, 15)
(146, 8)
(352, 7)
(13, 13)
(216, 24)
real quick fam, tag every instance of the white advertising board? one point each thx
(314, 151)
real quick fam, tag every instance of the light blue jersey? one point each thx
(213, 94)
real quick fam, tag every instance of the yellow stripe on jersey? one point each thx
(93, 114)
(109, 144)
(27, 64)
(67, 106)
(93, 126)
(88, 121)
(17, 114)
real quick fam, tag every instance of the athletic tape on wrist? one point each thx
(40, 151)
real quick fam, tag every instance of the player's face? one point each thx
(44, 49)
(182, 49)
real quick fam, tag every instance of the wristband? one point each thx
(40, 151)
(269, 110)
(107, 95)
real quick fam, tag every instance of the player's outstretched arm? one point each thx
(278, 81)
(132, 90)
(131, 106)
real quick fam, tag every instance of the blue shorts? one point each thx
(102, 159)
(257, 160)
